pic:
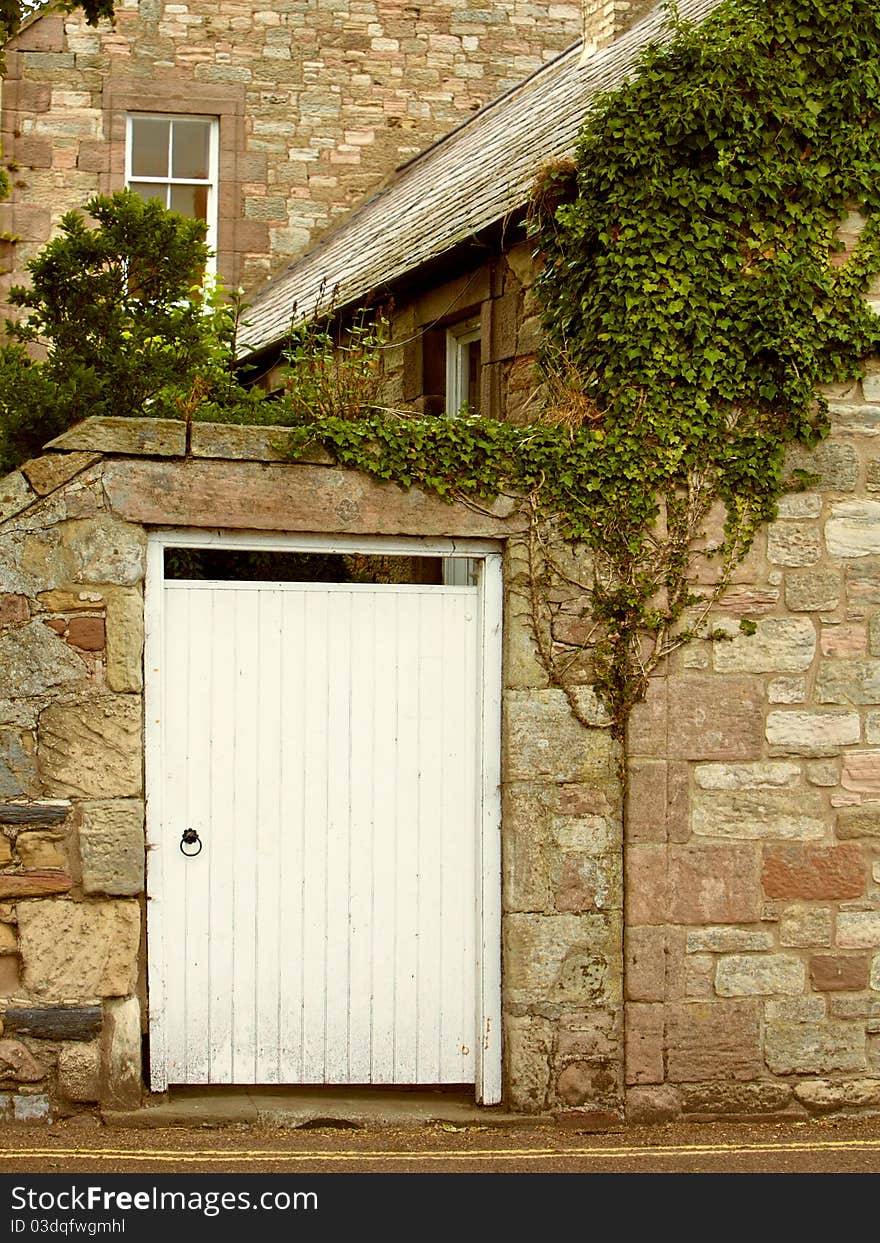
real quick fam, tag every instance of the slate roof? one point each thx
(472, 178)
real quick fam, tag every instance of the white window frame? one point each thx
(458, 338)
(212, 181)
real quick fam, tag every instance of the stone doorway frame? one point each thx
(488, 1084)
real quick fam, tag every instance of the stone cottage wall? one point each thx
(318, 104)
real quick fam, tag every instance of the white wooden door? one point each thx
(324, 741)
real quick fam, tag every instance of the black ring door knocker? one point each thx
(190, 838)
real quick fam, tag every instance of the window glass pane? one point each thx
(191, 149)
(149, 147)
(148, 191)
(190, 201)
(472, 364)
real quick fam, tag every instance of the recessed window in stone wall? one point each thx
(175, 159)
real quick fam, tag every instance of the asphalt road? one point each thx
(440, 1181)
(86, 1146)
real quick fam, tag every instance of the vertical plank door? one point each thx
(323, 741)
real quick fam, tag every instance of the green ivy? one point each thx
(694, 298)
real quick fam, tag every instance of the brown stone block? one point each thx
(44, 35)
(646, 729)
(19, 1064)
(862, 820)
(646, 885)
(582, 800)
(25, 96)
(748, 601)
(814, 1048)
(713, 885)
(155, 437)
(253, 167)
(13, 609)
(645, 964)
(47, 473)
(255, 444)
(713, 1040)
(291, 498)
(811, 872)
(838, 973)
(650, 1105)
(10, 982)
(92, 749)
(527, 816)
(33, 152)
(80, 950)
(644, 1043)
(86, 633)
(563, 959)
(499, 333)
(590, 1035)
(93, 157)
(715, 718)
(863, 582)
(31, 222)
(735, 1099)
(678, 802)
(252, 237)
(585, 1083)
(42, 850)
(36, 883)
(582, 882)
(646, 802)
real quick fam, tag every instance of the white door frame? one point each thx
(488, 861)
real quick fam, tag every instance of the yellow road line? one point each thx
(221, 1156)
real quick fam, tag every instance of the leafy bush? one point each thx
(117, 323)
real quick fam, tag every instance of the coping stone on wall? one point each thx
(253, 444)
(152, 437)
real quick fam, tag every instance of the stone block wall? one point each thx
(752, 844)
(721, 957)
(73, 995)
(562, 970)
(71, 792)
(753, 820)
(499, 294)
(318, 103)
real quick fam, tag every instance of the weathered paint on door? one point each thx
(324, 741)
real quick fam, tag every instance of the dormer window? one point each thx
(174, 159)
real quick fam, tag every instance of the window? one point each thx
(174, 159)
(463, 366)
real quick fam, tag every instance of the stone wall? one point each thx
(752, 849)
(750, 911)
(604, 20)
(318, 103)
(562, 979)
(499, 294)
(753, 820)
(71, 791)
(73, 995)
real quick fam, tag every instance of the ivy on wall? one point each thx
(695, 295)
